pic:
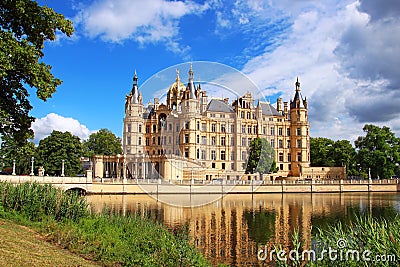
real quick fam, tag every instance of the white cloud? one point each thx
(343, 67)
(143, 21)
(44, 126)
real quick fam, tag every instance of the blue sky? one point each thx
(345, 53)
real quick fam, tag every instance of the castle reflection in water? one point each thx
(232, 229)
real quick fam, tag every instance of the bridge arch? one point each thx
(80, 189)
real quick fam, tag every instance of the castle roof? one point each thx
(218, 105)
(269, 110)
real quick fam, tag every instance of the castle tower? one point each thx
(299, 128)
(190, 100)
(133, 139)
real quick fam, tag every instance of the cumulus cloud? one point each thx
(345, 54)
(143, 21)
(44, 126)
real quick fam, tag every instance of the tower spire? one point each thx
(191, 83)
(297, 84)
(135, 90)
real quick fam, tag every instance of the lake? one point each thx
(233, 228)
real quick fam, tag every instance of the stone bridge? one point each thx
(80, 184)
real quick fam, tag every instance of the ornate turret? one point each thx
(298, 101)
(191, 87)
(135, 90)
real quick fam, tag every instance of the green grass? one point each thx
(379, 236)
(111, 240)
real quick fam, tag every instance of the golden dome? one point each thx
(177, 86)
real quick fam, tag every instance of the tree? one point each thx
(24, 27)
(22, 154)
(104, 142)
(321, 152)
(344, 154)
(57, 147)
(261, 157)
(378, 151)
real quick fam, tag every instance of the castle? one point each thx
(192, 137)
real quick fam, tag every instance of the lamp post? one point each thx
(62, 168)
(32, 161)
(13, 173)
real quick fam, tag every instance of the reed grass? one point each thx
(112, 240)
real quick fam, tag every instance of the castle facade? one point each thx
(194, 137)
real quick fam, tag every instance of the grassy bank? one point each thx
(108, 239)
(20, 246)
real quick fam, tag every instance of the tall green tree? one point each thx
(24, 28)
(379, 151)
(261, 157)
(344, 154)
(22, 154)
(321, 152)
(57, 147)
(103, 142)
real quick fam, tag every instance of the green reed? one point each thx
(113, 240)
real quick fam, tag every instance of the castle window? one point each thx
(203, 154)
(198, 125)
(232, 155)
(248, 115)
(249, 129)
(140, 141)
(290, 167)
(213, 127)
(242, 114)
(299, 156)
(186, 138)
(289, 157)
(280, 143)
(170, 127)
(249, 141)
(243, 141)
(169, 140)
(299, 143)
(255, 129)
(232, 166)
(280, 131)
(281, 167)
(223, 167)
(272, 131)
(232, 141)
(198, 153)
(147, 129)
(232, 128)
(265, 130)
(128, 141)
(213, 155)
(186, 153)
(281, 156)
(147, 141)
(140, 128)
(204, 140)
(187, 125)
(159, 140)
(254, 116)
(177, 140)
(204, 127)
(128, 151)
(223, 128)
(288, 144)
(222, 140)
(299, 131)
(271, 119)
(154, 128)
(273, 143)
(243, 155)
(223, 155)
(213, 141)
(243, 129)
(154, 140)
(288, 131)
(222, 115)
(198, 139)
(178, 127)
(129, 128)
